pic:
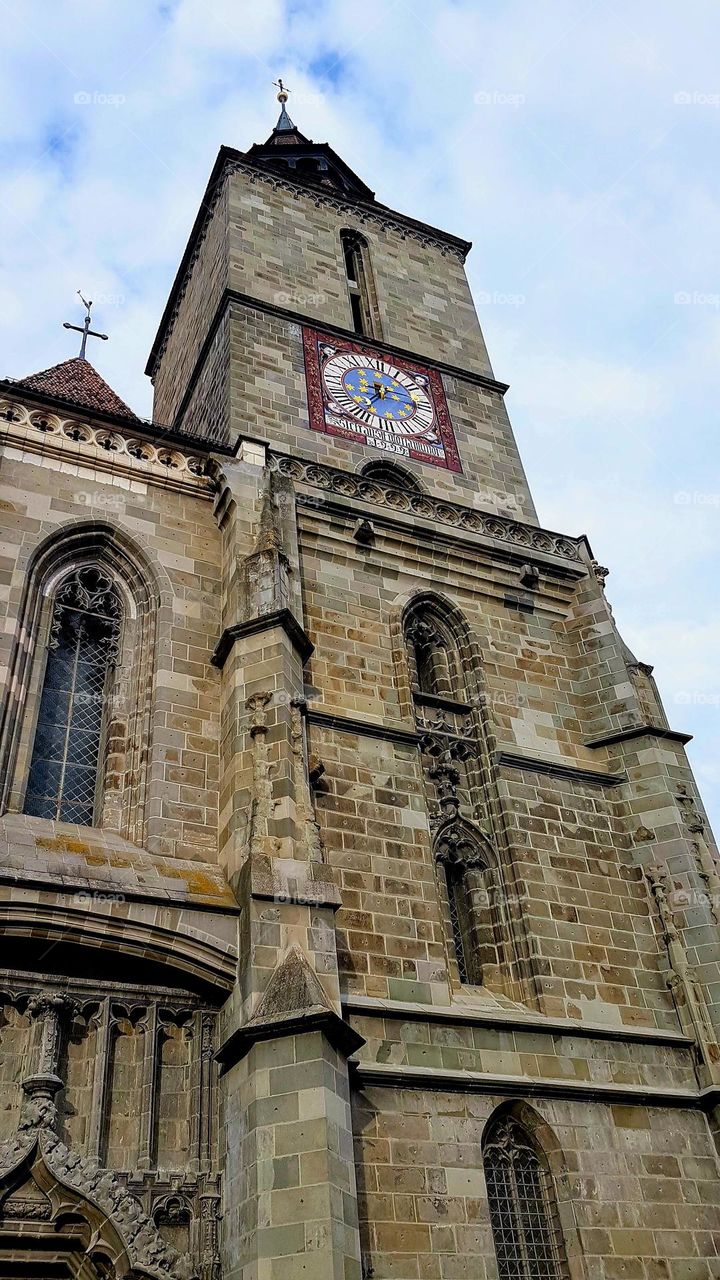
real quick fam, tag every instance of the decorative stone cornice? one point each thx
(121, 451)
(466, 519)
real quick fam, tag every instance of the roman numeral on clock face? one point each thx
(374, 392)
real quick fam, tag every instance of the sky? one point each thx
(574, 142)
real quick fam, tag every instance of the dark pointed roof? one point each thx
(315, 163)
(77, 382)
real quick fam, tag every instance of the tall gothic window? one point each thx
(444, 678)
(64, 772)
(361, 291)
(523, 1208)
(472, 900)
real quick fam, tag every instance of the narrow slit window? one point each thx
(64, 776)
(459, 919)
(462, 923)
(359, 283)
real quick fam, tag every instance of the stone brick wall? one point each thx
(68, 489)
(586, 936)
(201, 292)
(268, 390)
(423, 295)
(637, 1187)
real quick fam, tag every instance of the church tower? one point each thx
(361, 914)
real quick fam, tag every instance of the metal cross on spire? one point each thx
(84, 329)
(284, 124)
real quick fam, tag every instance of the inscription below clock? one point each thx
(379, 401)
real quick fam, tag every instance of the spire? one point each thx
(284, 124)
(314, 163)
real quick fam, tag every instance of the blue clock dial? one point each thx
(373, 391)
(379, 393)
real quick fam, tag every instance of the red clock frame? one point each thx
(440, 445)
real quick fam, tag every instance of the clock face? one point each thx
(377, 400)
(375, 392)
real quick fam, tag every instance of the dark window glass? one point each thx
(82, 650)
(386, 473)
(350, 265)
(355, 253)
(457, 902)
(357, 313)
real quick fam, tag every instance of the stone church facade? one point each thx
(359, 910)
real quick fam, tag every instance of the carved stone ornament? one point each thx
(440, 511)
(459, 843)
(688, 993)
(423, 635)
(106, 1199)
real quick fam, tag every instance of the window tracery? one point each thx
(83, 649)
(523, 1209)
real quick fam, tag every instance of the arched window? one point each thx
(432, 656)
(443, 684)
(388, 473)
(523, 1207)
(476, 922)
(360, 284)
(63, 780)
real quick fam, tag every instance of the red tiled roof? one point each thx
(77, 381)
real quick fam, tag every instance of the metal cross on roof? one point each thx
(84, 329)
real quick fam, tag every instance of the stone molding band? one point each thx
(339, 1033)
(557, 769)
(527, 539)
(504, 759)
(502, 1019)
(386, 1076)
(122, 450)
(363, 728)
(639, 731)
